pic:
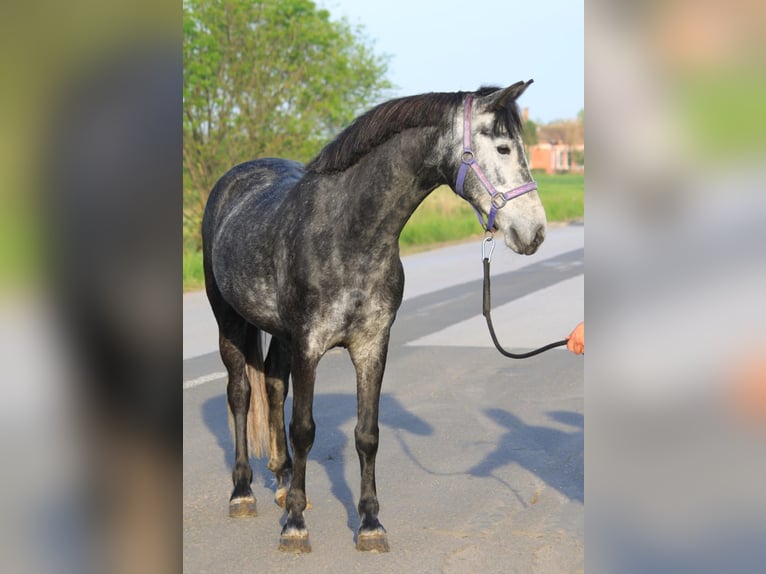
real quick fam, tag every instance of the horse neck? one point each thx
(384, 188)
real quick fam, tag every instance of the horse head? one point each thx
(493, 172)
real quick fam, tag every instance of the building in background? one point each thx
(560, 146)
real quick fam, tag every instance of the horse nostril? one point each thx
(536, 241)
(515, 236)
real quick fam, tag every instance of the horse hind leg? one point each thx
(233, 341)
(277, 379)
(295, 535)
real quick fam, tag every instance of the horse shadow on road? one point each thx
(553, 455)
(332, 412)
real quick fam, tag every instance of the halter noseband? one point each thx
(498, 199)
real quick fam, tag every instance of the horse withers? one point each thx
(310, 255)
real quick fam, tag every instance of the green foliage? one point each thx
(266, 78)
(194, 274)
(529, 133)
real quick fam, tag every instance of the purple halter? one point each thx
(499, 199)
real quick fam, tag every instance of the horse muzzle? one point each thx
(525, 243)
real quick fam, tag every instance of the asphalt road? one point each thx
(480, 466)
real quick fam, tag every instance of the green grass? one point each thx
(194, 277)
(562, 196)
(444, 217)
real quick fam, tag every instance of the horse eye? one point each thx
(503, 149)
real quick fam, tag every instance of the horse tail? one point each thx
(258, 414)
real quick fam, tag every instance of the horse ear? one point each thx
(501, 98)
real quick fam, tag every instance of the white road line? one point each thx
(191, 383)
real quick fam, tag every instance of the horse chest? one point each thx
(340, 308)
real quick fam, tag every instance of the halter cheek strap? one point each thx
(498, 199)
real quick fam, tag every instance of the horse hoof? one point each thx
(295, 543)
(242, 506)
(375, 541)
(281, 499)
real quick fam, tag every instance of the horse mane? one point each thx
(384, 121)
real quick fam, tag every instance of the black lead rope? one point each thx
(486, 305)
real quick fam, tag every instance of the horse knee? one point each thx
(302, 434)
(366, 441)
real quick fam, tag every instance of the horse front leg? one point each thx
(369, 358)
(295, 535)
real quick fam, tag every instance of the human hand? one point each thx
(576, 339)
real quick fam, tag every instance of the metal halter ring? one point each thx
(499, 200)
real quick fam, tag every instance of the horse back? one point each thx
(259, 184)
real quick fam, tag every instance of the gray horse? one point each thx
(311, 256)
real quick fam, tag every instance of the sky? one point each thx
(450, 45)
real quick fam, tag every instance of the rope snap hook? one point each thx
(487, 247)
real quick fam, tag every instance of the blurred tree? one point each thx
(266, 78)
(529, 132)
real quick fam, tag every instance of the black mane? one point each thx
(390, 118)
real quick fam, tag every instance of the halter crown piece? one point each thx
(498, 199)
